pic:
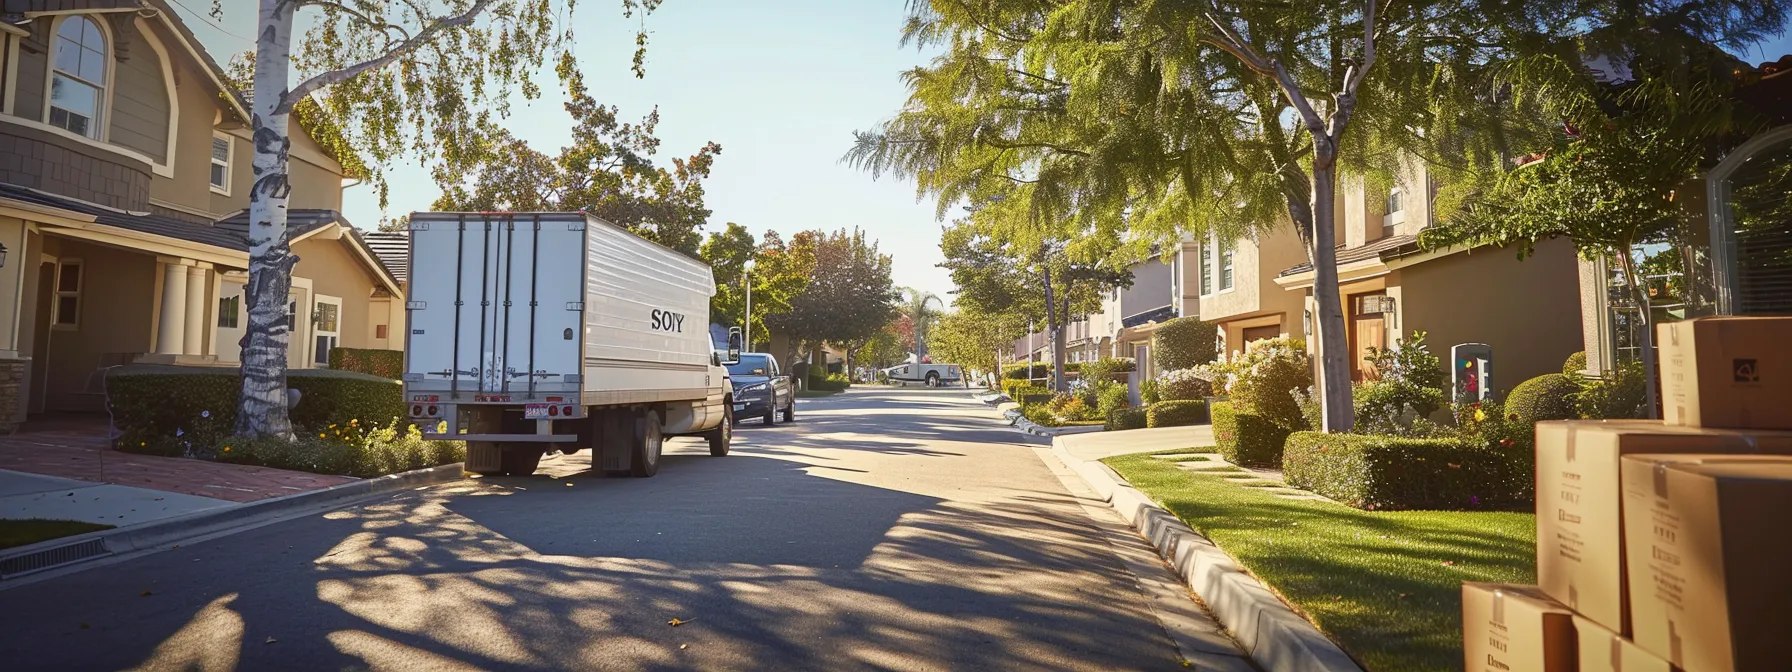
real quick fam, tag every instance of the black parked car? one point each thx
(761, 389)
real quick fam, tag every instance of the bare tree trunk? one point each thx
(1640, 297)
(1055, 333)
(262, 411)
(1334, 357)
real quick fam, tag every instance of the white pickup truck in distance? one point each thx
(932, 375)
(537, 331)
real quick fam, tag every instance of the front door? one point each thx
(1368, 329)
(326, 329)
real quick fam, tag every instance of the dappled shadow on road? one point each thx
(786, 555)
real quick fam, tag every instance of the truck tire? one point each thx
(723, 435)
(519, 460)
(790, 411)
(933, 379)
(648, 442)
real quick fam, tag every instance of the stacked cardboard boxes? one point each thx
(1662, 545)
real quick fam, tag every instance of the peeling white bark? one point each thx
(262, 409)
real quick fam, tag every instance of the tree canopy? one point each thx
(849, 296)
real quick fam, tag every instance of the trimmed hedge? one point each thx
(833, 382)
(1015, 389)
(1176, 413)
(1374, 472)
(181, 410)
(383, 363)
(1245, 438)
(1575, 364)
(1184, 342)
(376, 453)
(1126, 418)
(1041, 370)
(1546, 397)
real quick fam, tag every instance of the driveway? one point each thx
(885, 529)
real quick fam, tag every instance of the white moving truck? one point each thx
(933, 375)
(532, 332)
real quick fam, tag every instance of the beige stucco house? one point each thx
(124, 179)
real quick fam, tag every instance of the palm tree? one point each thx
(915, 304)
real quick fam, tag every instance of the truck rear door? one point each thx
(496, 304)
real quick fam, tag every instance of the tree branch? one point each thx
(334, 76)
(364, 19)
(1354, 77)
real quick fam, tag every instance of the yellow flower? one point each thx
(320, 435)
(1480, 415)
(227, 449)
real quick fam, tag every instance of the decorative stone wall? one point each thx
(46, 161)
(12, 392)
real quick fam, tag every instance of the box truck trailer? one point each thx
(537, 331)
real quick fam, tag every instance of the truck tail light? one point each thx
(417, 411)
(433, 411)
(554, 410)
(569, 412)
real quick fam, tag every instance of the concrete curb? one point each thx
(1036, 429)
(1274, 636)
(168, 531)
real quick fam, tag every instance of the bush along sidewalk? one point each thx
(345, 423)
(1386, 585)
(1392, 472)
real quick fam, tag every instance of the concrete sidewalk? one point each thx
(1098, 445)
(24, 496)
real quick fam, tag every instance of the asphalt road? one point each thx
(885, 529)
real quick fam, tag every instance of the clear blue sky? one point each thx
(781, 88)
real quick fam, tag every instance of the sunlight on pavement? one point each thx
(212, 641)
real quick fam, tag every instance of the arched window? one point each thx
(78, 78)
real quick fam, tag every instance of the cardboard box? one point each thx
(1727, 372)
(1710, 559)
(1507, 627)
(1580, 549)
(1602, 650)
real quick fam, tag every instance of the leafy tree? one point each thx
(727, 253)
(1064, 119)
(1610, 182)
(917, 305)
(971, 339)
(397, 78)
(848, 298)
(784, 271)
(883, 350)
(608, 171)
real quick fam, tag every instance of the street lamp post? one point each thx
(746, 330)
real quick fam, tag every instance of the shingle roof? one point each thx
(231, 233)
(393, 249)
(1373, 250)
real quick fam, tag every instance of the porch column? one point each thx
(197, 282)
(171, 331)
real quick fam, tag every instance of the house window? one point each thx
(379, 331)
(221, 164)
(1207, 268)
(1226, 266)
(1393, 200)
(229, 309)
(68, 293)
(78, 78)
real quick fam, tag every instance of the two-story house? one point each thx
(1528, 311)
(124, 179)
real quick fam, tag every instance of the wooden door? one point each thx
(1367, 330)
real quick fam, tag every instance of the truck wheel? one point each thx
(519, 460)
(648, 442)
(933, 379)
(790, 411)
(723, 434)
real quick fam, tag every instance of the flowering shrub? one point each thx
(1148, 392)
(1261, 380)
(346, 449)
(185, 411)
(1408, 387)
(1619, 394)
(1183, 385)
(1112, 398)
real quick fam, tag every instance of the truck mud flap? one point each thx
(615, 440)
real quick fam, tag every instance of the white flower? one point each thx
(205, 414)
(180, 432)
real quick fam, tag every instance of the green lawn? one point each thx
(1385, 584)
(30, 531)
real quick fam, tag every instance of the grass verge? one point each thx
(15, 533)
(1386, 584)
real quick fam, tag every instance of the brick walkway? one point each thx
(78, 449)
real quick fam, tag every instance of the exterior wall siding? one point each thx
(1529, 311)
(118, 298)
(34, 63)
(334, 271)
(140, 105)
(52, 163)
(189, 186)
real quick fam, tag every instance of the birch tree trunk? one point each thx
(1334, 355)
(262, 409)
